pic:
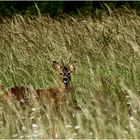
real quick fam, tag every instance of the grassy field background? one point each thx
(107, 79)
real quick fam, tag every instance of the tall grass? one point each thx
(107, 51)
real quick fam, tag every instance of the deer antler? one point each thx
(62, 62)
(69, 60)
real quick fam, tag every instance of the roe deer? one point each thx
(56, 94)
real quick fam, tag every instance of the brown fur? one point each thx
(19, 94)
(52, 94)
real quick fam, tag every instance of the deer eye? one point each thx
(68, 73)
(61, 73)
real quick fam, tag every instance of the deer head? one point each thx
(65, 71)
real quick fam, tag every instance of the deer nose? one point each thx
(65, 79)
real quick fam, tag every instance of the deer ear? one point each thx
(56, 66)
(72, 66)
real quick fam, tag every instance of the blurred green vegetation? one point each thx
(55, 8)
(106, 81)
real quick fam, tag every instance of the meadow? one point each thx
(106, 81)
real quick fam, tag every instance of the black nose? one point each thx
(65, 79)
